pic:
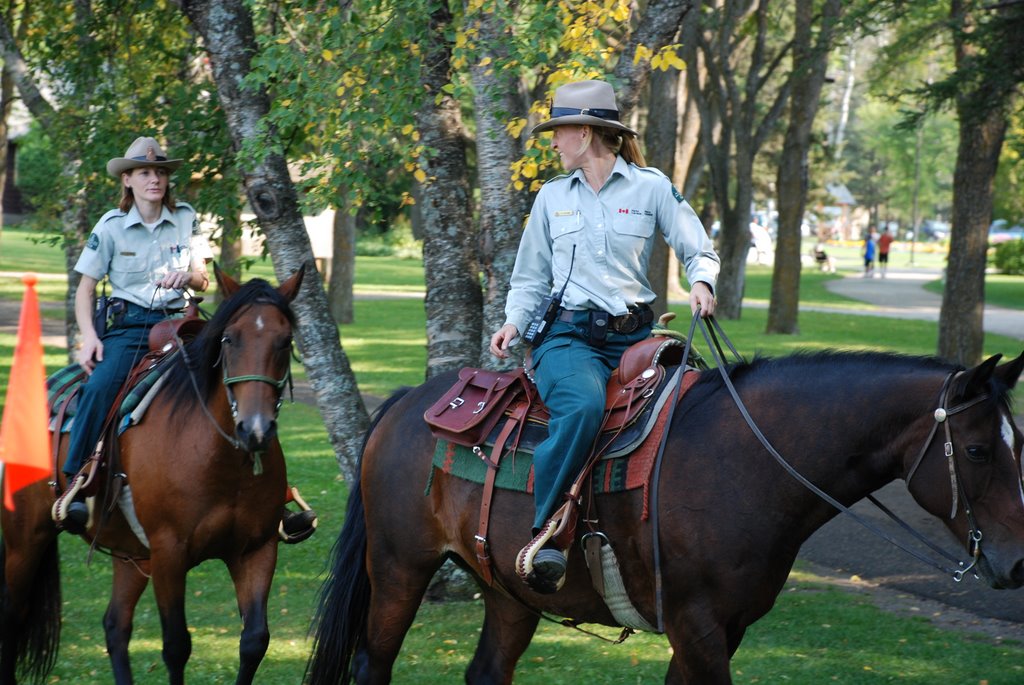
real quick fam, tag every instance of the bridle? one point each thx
(229, 380)
(958, 494)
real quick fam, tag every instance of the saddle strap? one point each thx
(516, 419)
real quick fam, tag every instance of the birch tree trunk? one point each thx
(503, 209)
(451, 267)
(227, 31)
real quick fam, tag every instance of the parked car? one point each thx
(1000, 232)
(933, 229)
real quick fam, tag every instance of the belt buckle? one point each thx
(627, 323)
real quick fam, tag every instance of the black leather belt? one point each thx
(638, 315)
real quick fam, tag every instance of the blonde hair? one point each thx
(128, 197)
(620, 143)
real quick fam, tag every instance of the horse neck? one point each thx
(849, 447)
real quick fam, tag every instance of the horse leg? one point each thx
(169, 569)
(129, 583)
(508, 628)
(703, 660)
(395, 596)
(252, 576)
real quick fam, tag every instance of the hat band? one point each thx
(158, 158)
(609, 114)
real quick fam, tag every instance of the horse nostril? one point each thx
(1017, 574)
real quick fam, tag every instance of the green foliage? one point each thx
(1009, 257)
(39, 167)
(112, 76)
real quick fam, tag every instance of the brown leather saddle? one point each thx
(472, 410)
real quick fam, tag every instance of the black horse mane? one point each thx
(827, 367)
(199, 360)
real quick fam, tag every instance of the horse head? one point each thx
(255, 354)
(969, 471)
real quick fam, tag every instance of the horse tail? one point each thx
(343, 609)
(36, 637)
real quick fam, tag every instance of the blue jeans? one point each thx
(124, 345)
(571, 376)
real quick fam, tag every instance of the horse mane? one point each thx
(196, 369)
(827, 366)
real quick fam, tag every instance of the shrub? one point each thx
(1009, 257)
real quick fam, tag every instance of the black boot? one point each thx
(78, 516)
(296, 526)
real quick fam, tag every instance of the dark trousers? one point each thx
(571, 376)
(123, 346)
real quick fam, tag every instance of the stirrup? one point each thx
(305, 533)
(59, 511)
(554, 527)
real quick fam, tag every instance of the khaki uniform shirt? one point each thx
(613, 232)
(135, 256)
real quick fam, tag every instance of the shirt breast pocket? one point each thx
(128, 264)
(565, 233)
(636, 226)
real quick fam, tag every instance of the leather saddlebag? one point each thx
(468, 412)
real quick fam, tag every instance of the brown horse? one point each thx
(207, 476)
(731, 518)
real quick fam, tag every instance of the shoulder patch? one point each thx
(93, 242)
(677, 195)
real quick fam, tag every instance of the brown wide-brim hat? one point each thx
(584, 102)
(143, 152)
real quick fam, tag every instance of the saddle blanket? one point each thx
(515, 471)
(66, 383)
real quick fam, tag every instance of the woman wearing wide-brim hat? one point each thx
(151, 250)
(591, 233)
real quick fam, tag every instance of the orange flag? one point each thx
(24, 433)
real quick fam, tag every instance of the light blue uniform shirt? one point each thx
(135, 256)
(613, 232)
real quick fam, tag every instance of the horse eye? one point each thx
(225, 340)
(978, 454)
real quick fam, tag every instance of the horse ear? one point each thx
(290, 288)
(972, 382)
(1010, 372)
(227, 285)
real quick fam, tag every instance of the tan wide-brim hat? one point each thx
(584, 102)
(143, 152)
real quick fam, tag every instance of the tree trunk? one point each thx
(343, 267)
(452, 273)
(737, 115)
(660, 144)
(503, 209)
(961, 321)
(808, 77)
(657, 27)
(227, 31)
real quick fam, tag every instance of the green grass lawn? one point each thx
(815, 634)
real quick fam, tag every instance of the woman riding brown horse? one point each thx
(207, 478)
(731, 518)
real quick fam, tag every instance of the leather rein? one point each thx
(941, 414)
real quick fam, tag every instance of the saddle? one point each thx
(470, 412)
